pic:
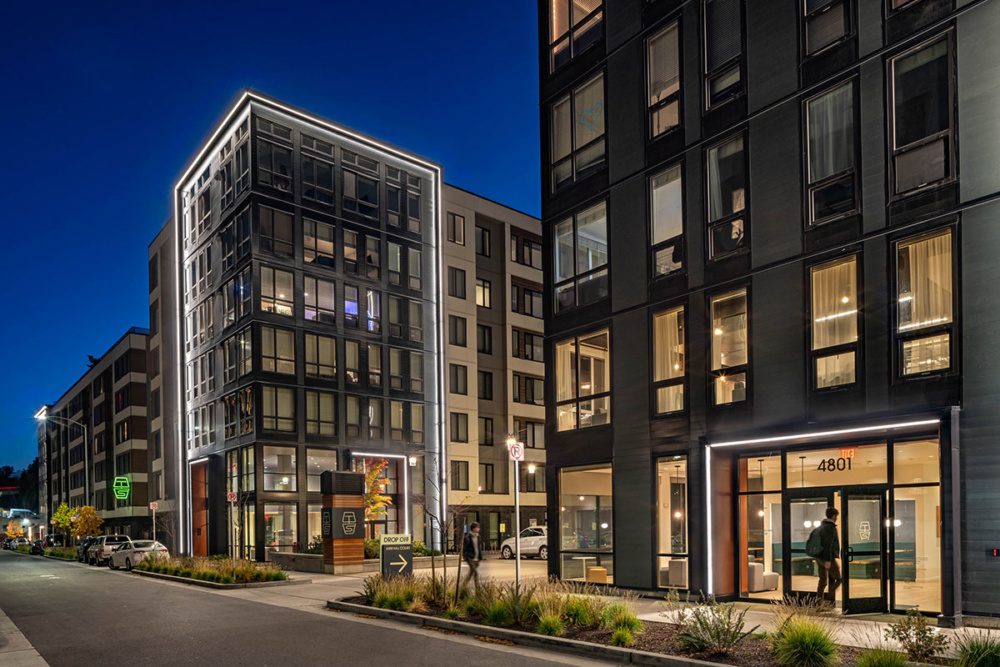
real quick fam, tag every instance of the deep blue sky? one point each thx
(103, 104)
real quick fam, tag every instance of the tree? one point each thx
(28, 486)
(87, 523)
(14, 528)
(376, 502)
(62, 519)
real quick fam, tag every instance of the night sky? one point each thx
(104, 103)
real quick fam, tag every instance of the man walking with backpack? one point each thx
(824, 546)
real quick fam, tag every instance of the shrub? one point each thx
(582, 612)
(802, 642)
(452, 612)
(371, 549)
(919, 639)
(550, 624)
(67, 553)
(483, 597)
(618, 615)
(524, 607)
(713, 628)
(978, 649)
(24, 549)
(418, 606)
(881, 657)
(790, 607)
(369, 587)
(622, 637)
(498, 613)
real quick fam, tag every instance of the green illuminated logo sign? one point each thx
(122, 487)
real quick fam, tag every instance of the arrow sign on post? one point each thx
(395, 555)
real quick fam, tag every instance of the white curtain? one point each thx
(565, 370)
(831, 133)
(925, 293)
(668, 345)
(834, 304)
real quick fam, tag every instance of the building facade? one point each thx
(770, 227)
(162, 364)
(93, 441)
(307, 274)
(494, 344)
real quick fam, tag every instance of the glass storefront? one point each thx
(586, 529)
(888, 498)
(280, 532)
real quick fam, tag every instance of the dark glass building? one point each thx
(771, 291)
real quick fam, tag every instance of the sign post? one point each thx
(153, 506)
(231, 498)
(516, 451)
(395, 554)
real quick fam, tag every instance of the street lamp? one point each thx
(43, 416)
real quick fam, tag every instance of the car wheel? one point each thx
(506, 553)
(128, 564)
(543, 552)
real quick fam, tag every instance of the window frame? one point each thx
(653, 108)
(570, 36)
(576, 399)
(579, 276)
(682, 381)
(853, 172)
(846, 6)
(729, 218)
(484, 293)
(709, 75)
(745, 368)
(576, 175)
(456, 222)
(949, 134)
(855, 347)
(951, 328)
(674, 241)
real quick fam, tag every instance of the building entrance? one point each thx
(888, 498)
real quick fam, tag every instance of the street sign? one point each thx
(231, 496)
(153, 505)
(516, 450)
(395, 555)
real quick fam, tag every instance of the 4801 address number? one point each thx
(834, 465)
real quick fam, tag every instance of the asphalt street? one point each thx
(75, 614)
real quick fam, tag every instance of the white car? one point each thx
(534, 542)
(127, 555)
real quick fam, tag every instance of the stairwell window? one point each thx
(923, 147)
(578, 133)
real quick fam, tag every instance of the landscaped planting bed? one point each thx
(62, 553)
(705, 630)
(216, 570)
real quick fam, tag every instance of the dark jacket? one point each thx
(829, 539)
(469, 550)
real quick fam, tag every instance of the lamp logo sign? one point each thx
(122, 488)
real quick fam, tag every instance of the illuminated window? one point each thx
(834, 314)
(729, 347)
(583, 381)
(831, 174)
(574, 26)
(669, 360)
(925, 302)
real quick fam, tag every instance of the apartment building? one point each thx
(93, 440)
(493, 352)
(768, 224)
(306, 271)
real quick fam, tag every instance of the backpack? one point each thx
(814, 545)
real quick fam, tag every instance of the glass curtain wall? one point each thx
(672, 522)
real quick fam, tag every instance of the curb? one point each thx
(589, 649)
(64, 560)
(218, 586)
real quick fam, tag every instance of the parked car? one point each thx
(99, 551)
(38, 547)
(81, 548)
(133, 552)
(8, 543)
(534, 542)
(20, 541)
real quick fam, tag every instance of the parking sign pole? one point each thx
(517, 525)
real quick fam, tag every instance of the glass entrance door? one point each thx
(863, 553)
(806, 511)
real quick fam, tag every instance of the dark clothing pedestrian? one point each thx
(826, 561)
(472, 553)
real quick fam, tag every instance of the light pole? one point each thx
(43, 415)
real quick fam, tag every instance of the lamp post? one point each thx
(43, 415)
